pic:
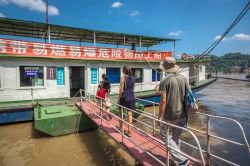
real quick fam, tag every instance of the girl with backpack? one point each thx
(106, 86)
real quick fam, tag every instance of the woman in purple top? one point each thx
(126, 95)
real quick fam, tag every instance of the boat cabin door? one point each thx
(76, 74)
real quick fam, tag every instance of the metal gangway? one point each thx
(145, 146)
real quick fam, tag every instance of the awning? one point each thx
(32, 29)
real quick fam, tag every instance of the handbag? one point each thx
(101, 93)
(108, 102)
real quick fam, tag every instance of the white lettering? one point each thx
(128, 54)
(157, 55)
(19, 47)
(89, 52)
(75, 51)
(3, 48)
(40, 49)
(103, 53)
(116, 53)
(138, 55)
(58, 50)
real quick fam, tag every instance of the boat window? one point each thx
(156, 75)
(138, 74)
(113, 75)
(31, 76)
(200, 68)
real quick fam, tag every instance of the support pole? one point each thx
(154, 121)
(174, 50)
(167, 149)
(94, 40)
(49, 34)
(124, 40)
(208, 142)
(122, 125)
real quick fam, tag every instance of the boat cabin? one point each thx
(36, 63)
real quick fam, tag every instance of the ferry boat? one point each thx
(31, 69)
(36, 72)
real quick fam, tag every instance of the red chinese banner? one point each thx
(32, 49)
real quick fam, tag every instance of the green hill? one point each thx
(227, 62)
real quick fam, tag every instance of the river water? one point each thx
(21, 145)
(228, 98)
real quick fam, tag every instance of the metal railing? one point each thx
(208, 134)
(122, 120)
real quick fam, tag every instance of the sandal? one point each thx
(119, 128)
(127, 133)
(110, 117)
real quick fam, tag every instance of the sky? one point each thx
(198, 23)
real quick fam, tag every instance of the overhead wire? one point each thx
(214, 44)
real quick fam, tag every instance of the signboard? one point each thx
(31, 49)
(60, 76)
(31, 71)
(94, 75)
(51, 73)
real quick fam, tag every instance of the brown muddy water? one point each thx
(21, 145)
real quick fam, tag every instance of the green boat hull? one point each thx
(59, 120)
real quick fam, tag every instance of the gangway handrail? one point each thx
(211, 135)
(163, 122)
(233, 120)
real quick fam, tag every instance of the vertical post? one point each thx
(140, 43)
(47, 19)
(198, 79)
(49, 34)
(81, 95)
(101, 110)
(208, 142)
(174, 50)
(94, 40)
(167, 149)
(124, 40)
(122, 125)
(47, 12)
(154, 121)
(89, 101)
(32, 95)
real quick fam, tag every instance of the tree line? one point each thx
(230, 62)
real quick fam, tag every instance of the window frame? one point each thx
(133, 74)
(159, 70)
(29, 87)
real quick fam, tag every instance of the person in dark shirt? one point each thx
(105, 84)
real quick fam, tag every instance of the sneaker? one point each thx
(184, 163)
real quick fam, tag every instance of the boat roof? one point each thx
(33, 29)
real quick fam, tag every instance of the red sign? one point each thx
(32, 49)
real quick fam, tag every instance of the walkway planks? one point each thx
(144, 141)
